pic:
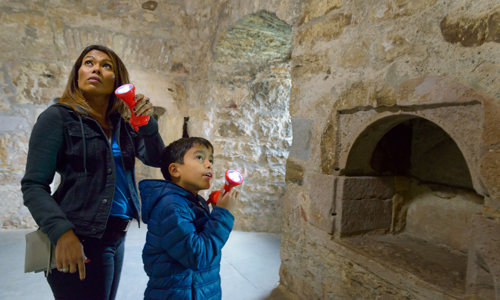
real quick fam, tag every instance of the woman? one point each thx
(86, 139)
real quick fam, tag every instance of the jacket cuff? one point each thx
(224, 212)
(55, 234)
(149, 129)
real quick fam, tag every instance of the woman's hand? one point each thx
(70, 255)
(143, 107)
(227, 200)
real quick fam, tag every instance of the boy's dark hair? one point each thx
(174, 153)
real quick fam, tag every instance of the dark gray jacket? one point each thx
(76, 147)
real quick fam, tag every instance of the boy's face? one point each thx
(195, 173)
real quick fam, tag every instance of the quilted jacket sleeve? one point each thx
(194, 249)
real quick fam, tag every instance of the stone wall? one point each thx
(40, 41)
(249, 99)
(354, 70)
(170, 49)
(359, 68)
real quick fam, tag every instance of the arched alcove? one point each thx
(406, 145)
(248, 102)
(406, 198)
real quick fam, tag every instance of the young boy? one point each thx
(184, 240)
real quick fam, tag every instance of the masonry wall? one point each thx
(168, 48)
(349, 56)
(358, 56)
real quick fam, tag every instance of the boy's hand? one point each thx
(227, 200)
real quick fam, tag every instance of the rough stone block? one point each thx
(10, 123)
(494, 27)
(294, 172)
(327, 147)
(483, 266)
(491, 134)
(319, 8)
(363, 204)
(490, 168)
(362, 216)
(361, 188)
(321, 194)
(466, 31)
(302, 135)
(330, 28)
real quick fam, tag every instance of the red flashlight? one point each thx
(233, 178)
(126, 92)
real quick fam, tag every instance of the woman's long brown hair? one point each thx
(73, 96)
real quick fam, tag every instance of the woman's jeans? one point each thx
(102, 272)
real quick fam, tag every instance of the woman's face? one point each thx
(96, 76)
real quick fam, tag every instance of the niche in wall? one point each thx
(250, 83)
(406, 198)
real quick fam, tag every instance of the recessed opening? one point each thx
(250, 79)
(408, 200)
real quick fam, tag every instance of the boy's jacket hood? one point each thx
(152, 190)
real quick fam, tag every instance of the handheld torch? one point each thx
(233, 178)
(126, 92)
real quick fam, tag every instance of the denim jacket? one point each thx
(76, 147)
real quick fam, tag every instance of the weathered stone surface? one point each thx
(491, 135)
(329, 27)
(393, 47)
(490, 167)
(306, 65)
(393, 61)
(357, 68)
(488, 76)
(354, 55)
(255, 39)
(400, 8)
(13, 214)
(322, 205)
(318, 8)
(494, 27)
(294, 172)
(366, 188)
(446, 213)
(328, 147)
(19, 30)
(483, 266)
(249, 95)
(358, 94)
(434, 90)
(363, 204)
(37, 83)
(466, 31)
(302, 135)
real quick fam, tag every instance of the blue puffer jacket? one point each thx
(183, 244)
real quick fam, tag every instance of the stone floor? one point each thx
(249, 268)
(425, 268)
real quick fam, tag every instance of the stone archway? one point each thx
(410, 193)
(248, 108)
(413, 196)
